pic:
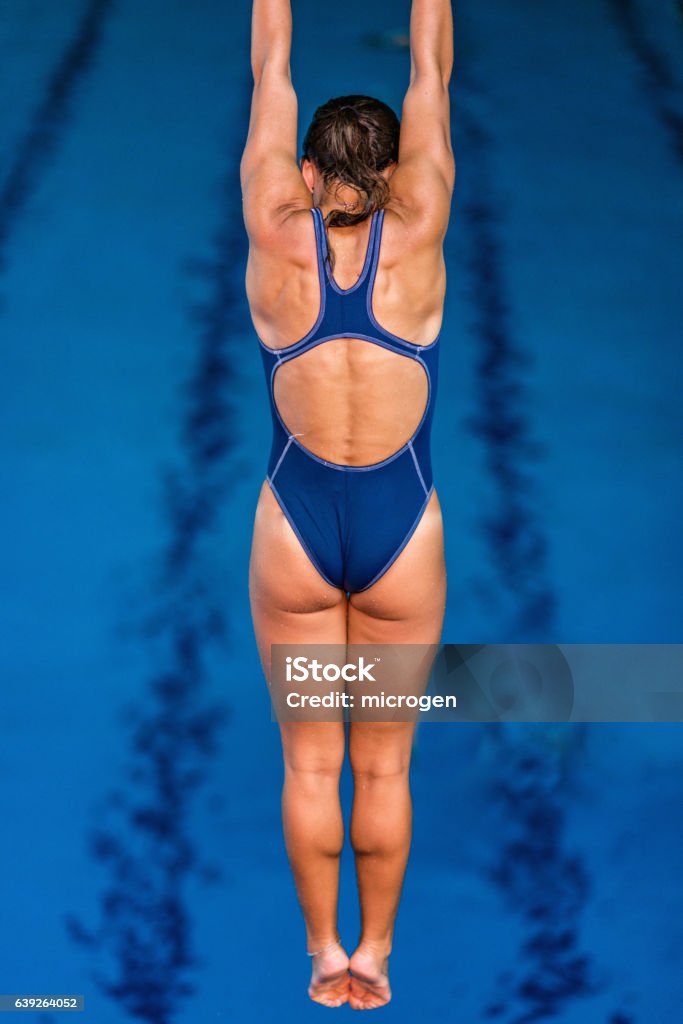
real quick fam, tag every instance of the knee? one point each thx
(380, 754)
(381, 769)
(381, 762)
(313, 772)
(313, 755)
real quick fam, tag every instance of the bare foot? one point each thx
(330, 977)
(369, 978)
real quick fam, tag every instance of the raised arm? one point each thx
(272, 184)
(425, 175)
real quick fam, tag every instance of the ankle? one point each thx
(317, 945)
(378, 948)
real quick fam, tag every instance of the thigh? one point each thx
(406, 604)
(292, 603)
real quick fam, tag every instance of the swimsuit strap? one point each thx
(321, 247)
(344, 311)
(323, 250)
(374, 243)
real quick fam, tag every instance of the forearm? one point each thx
(431, 39)
(271, 37)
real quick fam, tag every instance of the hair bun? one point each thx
(351, 139)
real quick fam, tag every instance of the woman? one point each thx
(346, 284)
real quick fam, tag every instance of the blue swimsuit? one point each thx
(352, 521)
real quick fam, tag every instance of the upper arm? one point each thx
(424, 178)
(271, 180)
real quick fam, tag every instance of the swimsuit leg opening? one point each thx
(307, 551)
(401, 546)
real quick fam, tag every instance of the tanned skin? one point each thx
(355, 404)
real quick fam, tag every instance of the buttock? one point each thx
(352, 523)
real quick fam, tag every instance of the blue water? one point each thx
(142, 862)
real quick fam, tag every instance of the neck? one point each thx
(345, 199)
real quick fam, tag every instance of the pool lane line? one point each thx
(144, 832)
(663, 91)
(42, 137)
(521, 601)
(530, 774)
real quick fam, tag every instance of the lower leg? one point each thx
(380, 835)
(314, 835)
(381, 826)
(313, 754)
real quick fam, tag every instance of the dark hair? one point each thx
(350, 140)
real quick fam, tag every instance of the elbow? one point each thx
(431, 72)
(274, 64)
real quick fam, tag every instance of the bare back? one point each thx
(352, 403)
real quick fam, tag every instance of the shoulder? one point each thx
(289, 233)
(407, 232)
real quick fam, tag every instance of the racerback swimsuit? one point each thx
(352, 521)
